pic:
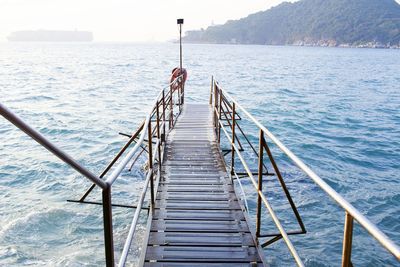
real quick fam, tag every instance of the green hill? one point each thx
(312, 22)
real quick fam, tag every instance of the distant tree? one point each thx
(341, 21)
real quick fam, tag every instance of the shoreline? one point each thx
(318, 44)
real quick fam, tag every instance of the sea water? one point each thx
(337, 109)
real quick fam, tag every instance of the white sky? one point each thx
(123, 20)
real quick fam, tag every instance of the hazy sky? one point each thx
(122, 20)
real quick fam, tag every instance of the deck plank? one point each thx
(203, 264)
(232, 226)
(200, 239)
(202, 254)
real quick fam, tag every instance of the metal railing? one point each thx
(154, 127)
(226, 109)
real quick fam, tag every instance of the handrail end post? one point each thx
(347, 240)
(108, 226)
(233, 139)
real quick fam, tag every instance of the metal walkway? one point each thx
(198, 220)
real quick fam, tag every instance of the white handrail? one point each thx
(135, 219)
(242, 189)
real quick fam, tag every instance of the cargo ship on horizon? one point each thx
(50, 36)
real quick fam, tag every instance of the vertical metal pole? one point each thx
(183, 93)
(149, 132)
(211, 89)
(180, 64)
(215, 107)
(163, 115)
(233, 137)
(179, 97)
(171, 107)
(260, 177)
(108, 227)
(347, 241)
(158, 136)
(219, 115)
(180, 47)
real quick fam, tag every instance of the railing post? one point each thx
(171, 107)
(182, 92)
(108, 227)
(150, 134)
(260, 177)
(211, 89)
(215, 106)
(219, 115)
(347, 241)
(179, 96)
(233, 137)
(163, 116)
(158, 136)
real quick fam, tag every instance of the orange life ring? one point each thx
(175, 74)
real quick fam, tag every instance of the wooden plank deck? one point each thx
(198, 220)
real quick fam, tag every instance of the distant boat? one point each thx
(50, 36)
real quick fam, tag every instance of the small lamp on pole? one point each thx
(180, 22)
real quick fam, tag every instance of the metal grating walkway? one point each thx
(197, 220)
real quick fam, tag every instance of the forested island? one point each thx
(343, 23)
